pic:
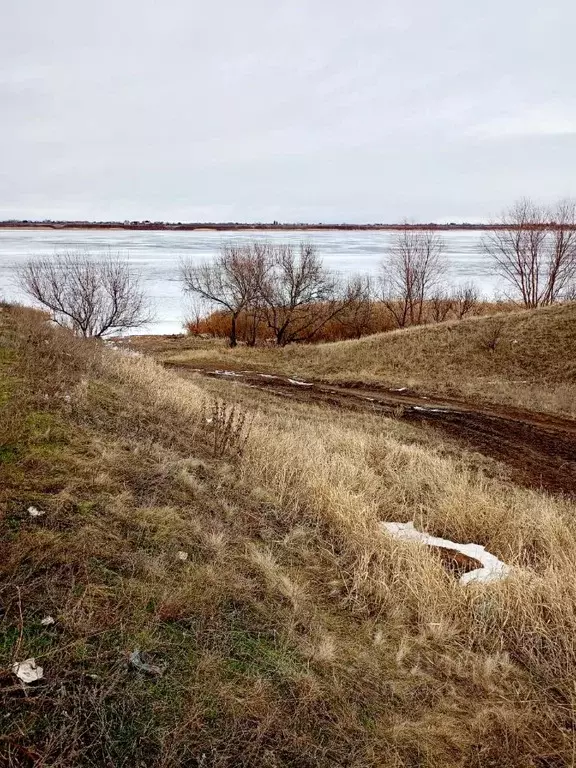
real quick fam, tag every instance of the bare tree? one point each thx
(413, 267)
(230, 280)
(92, 296)
(534, 249)
(465, 299)
(299, 296)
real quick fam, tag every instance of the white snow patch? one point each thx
(431, 410)
(300, 383)
(401, 389)
(492, 569)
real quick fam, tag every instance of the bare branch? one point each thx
(534, 250)
(230, 280)
(414, 266)
(90, 295)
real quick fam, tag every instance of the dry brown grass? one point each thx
(295, 633)
(524, 358)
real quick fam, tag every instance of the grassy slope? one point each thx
(295, 634)
(533, 363)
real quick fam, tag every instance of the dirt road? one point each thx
(539, 449)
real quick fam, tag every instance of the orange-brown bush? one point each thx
(355, 322)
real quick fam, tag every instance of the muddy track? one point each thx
(539, 449)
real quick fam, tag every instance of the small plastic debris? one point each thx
(492, 568)
(47, 621)
(34, 512)
(182, 555)
(138, 661)
(28, 671)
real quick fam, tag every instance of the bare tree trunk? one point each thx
(233, 339)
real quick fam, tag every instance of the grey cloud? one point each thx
(302, 110)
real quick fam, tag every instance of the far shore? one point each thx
(232, 227)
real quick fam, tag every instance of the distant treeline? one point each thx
(226, 226)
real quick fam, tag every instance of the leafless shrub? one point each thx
(357, 318)
(492, 334)
(441, 304)
(229, 426)
(465, 299)
(570, 294)
(412, 269)
(92, 296)
(534, 249)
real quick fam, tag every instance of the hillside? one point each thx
(523, 358)
(235, 541)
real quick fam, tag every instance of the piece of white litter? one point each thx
(138, 661)
(28, 671)
(33, 512)
(300, 383)
(492, 569)
(47, 621)
(182, 555)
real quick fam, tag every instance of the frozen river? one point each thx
(157, 255)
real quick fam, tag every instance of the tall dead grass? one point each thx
(296, 632)
(333, 483)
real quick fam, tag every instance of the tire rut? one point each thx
(539, 449)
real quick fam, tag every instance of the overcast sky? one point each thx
(326, 110)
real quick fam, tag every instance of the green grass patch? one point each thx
(258, 654)
(36, 640)
(9, 454)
